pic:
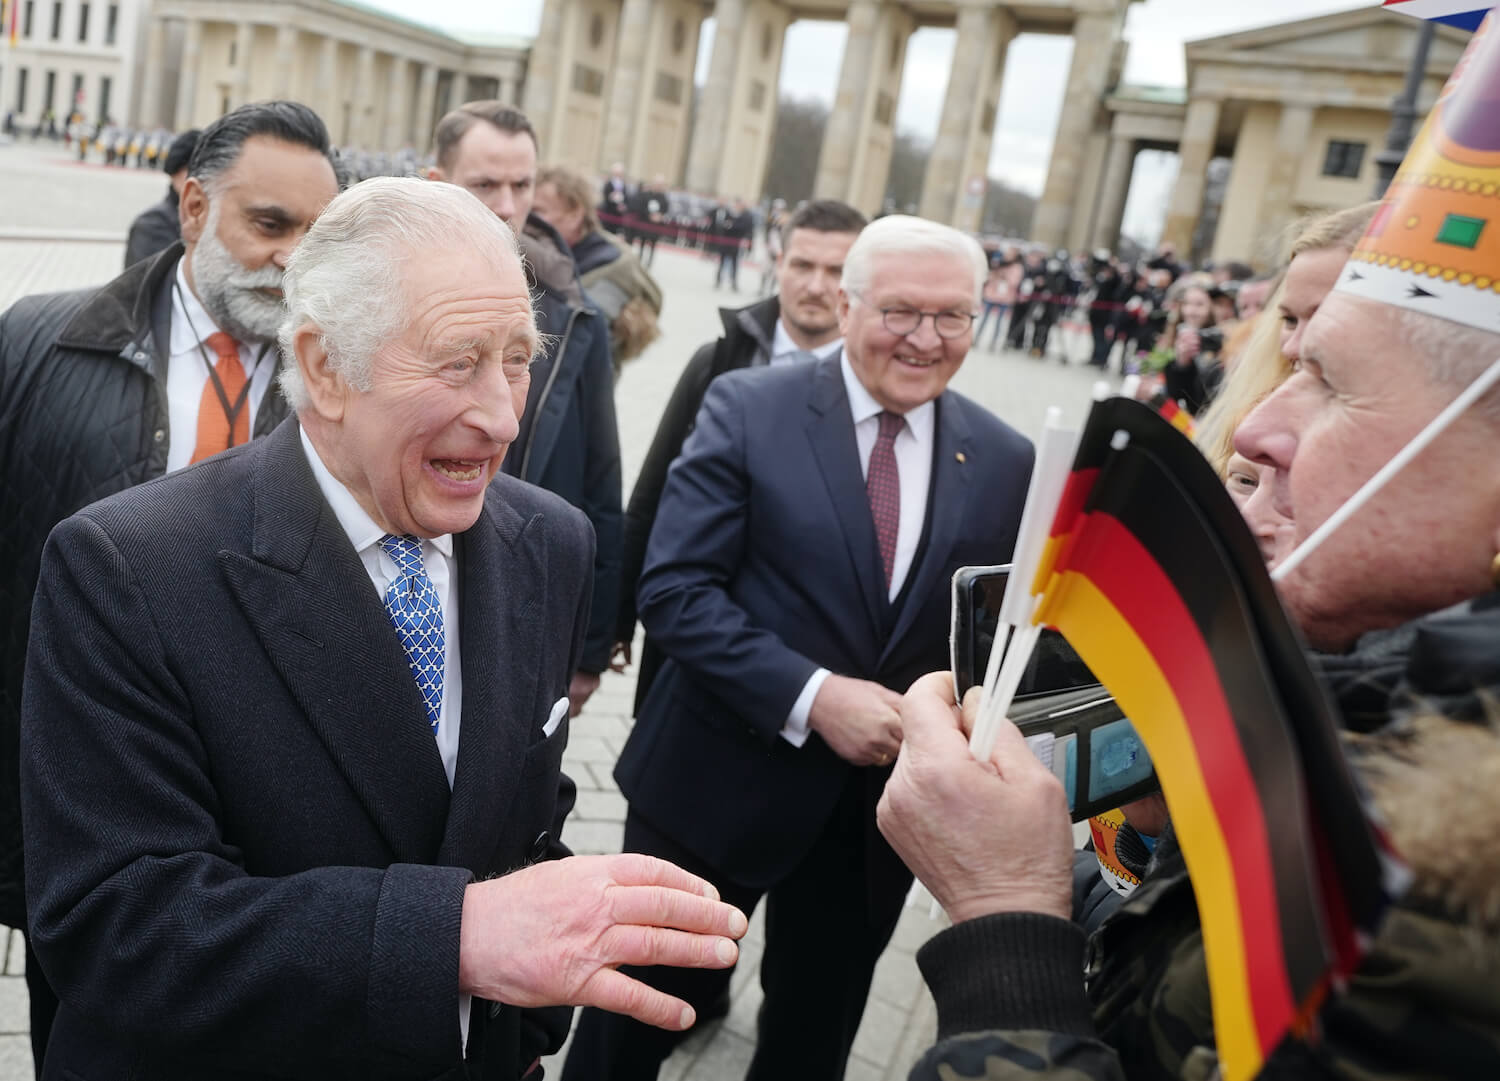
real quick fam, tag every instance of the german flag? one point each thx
(1161, 590)
(1178, 417)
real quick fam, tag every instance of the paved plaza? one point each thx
(62, 226)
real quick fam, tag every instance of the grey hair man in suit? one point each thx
(293, 719)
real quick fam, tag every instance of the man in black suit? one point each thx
(797, 580)
(106, 388)
(291, 715)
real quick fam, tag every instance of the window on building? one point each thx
(76, 101)
(49, 92)
(234, 49)
(83, 23)
(26, 15)
(56, 20)
(105, 86)
(111, 24)
(21, 90)
(1344, 159)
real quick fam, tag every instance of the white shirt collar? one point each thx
(782, 344)
(863, 406)
(358, 526)
(191, 323)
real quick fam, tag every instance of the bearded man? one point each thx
(170, 363)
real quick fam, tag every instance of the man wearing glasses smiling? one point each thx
(797, 581)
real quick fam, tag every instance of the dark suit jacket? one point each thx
(763, 567)
(243, 858)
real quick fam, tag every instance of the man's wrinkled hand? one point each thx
(983, 837)
(555, 935)
(858, 719)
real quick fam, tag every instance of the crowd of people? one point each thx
(316, 540)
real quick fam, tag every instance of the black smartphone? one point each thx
(1070, 721)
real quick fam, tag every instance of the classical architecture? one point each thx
(611, 80)
(70, 55)
(1299, 110)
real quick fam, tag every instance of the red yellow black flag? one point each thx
(1158, 585)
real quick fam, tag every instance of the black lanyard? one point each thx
(231, 410)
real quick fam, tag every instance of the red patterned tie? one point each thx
(883, 486)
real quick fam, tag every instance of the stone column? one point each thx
(325, 87)
(629, 80)
(362, 133)
(1114, 192)
(424, 122)
(977, 55)
(286, 57)
(244, 45)
(1200, 132)
(544, 69)
(391, 134)
(1293, 131)
(149, 114)
(851, 106)
(706, 152)
(970, 206)
(641, 147)
(1094, 38)
(184, 116)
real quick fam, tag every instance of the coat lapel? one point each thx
(503, 584)
(830, 430)
(307, 597)
(952, 449)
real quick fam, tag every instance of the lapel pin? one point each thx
(960, 457)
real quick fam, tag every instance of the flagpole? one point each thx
(1372, 487)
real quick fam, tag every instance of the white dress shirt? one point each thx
(437, 557)
(786, 351)
(187, 375)
(913, 450)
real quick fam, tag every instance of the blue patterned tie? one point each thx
(417, 614)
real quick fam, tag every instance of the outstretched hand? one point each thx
(556, 933)
(983, 837)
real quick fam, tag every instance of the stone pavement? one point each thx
(62, 227)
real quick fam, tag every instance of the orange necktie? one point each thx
(214, 432)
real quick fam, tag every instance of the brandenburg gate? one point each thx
(612, 81)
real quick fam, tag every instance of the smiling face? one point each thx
(808, 272)
(1197, 308)
(902, 372)
(1357, 397)
(418, 449)
(239, 232)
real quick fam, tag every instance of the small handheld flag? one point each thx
(1464, 14)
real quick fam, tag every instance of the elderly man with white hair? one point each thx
(294, 718)
(797, 580)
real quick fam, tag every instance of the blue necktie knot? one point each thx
(416, 613)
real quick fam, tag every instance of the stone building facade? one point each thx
(70, 55)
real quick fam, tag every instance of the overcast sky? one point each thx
(1035, 74)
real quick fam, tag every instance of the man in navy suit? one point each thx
(797, 580)
(293, 717)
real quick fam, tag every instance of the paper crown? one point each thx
(1434, 245)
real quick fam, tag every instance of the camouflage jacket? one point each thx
(1023, 996)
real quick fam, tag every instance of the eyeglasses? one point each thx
(902, 321)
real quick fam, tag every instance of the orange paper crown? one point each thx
(1434, 245)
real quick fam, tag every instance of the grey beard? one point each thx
(226, 289)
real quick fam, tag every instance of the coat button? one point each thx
(159, 434)
(494, 1010)
(539, 846)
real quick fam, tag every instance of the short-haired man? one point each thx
(171, 362)
(800, 324)
(157, 227)
(797, 581)
(291, 716)
(569, 442)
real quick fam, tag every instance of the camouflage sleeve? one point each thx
(1011, 1003)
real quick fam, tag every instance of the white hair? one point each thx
(349, 276)
(900, 234)
(1452, 354)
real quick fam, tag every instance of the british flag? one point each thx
(1466, 14)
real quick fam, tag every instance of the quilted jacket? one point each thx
(83, 414)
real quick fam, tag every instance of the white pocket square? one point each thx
(555, 718)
